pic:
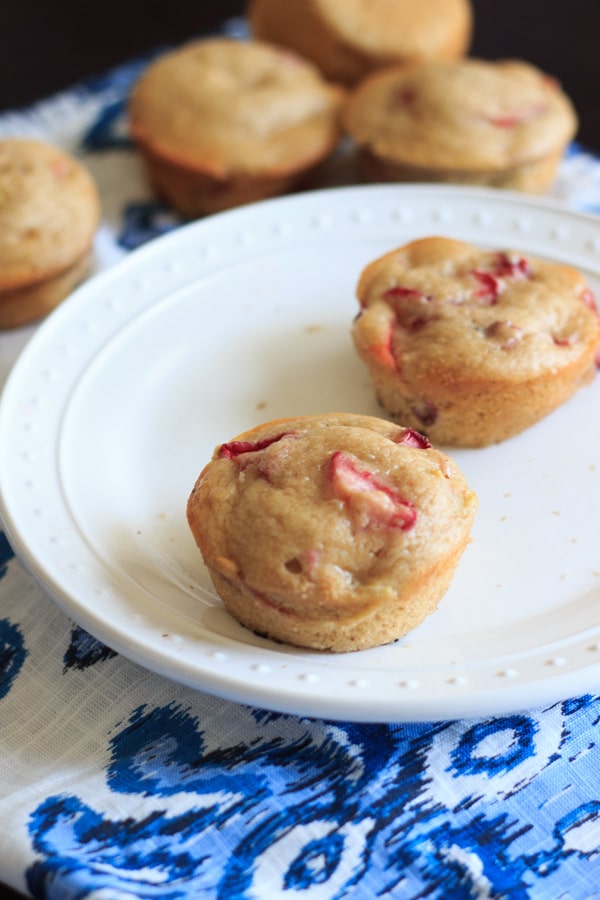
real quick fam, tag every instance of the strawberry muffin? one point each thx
(502, 124)
(332, 532)
(49, 213)
(473, 346)
(221, 122)
(348, 39)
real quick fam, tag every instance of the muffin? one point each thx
(503, 124)
(49, 213)
(331, 532)
(348, 39)
(221, 122)
(473, 346)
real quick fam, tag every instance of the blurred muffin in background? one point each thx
(49, 213)
(496, 123)
(347, 39)
(221, 122)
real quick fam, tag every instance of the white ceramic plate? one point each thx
(120, 397)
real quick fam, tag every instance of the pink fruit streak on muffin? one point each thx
(320, 523)
(441, 322)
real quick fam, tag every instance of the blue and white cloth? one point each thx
(117, 783)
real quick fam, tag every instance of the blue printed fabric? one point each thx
(116, 783)
(127, 786)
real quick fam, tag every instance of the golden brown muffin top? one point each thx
(230, 105)
(349, 38)
(467, 114)
(49, 211)
(439, 306)
(330, 510)
(392, 28)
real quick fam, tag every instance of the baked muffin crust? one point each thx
(49, 213)
(471, 345)
(236, 112)
(333, 532)
(386, 29)
(467, 120)
(347, 39)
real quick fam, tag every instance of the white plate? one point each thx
(120, 397)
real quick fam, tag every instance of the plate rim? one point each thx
(306, 701)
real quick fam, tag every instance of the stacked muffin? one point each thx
(418, 108)
(500, 124)
(49, 213)
(221, 122)
(349, 39)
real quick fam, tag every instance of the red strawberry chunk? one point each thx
(399, 291)
(405, 96)
(417, 324)
(384, 352)
(589, 300)
(410, 316)
(233, 449)
(518, 117)
(508, 121)
(383, 505)
(512, 268)
(491, 281)
(425, 412)
(410, 437)
(61, 169)
(490, 289)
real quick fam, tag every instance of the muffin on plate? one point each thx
(473, 346)
(332, 532)
(49, 214)
(347, 39)
(500, 123)
(221, 122)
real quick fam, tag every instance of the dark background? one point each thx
(47, 45)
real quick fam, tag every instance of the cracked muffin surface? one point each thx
(49, 214)
(220, 122)
(473, 345)
(501, 123)
(348, 39)
(335, 532)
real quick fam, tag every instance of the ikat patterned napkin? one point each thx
(116, 783)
